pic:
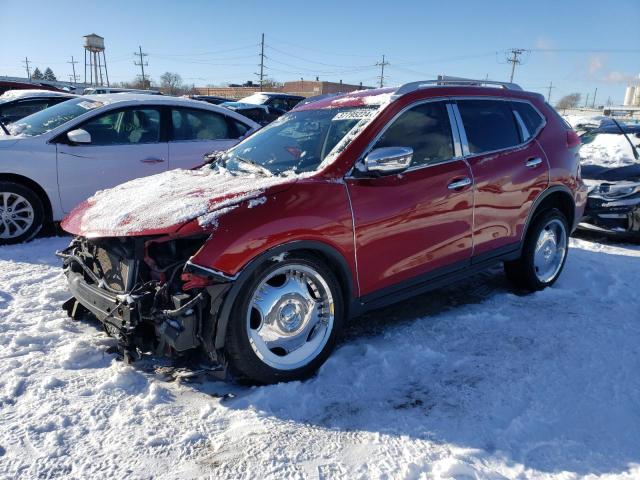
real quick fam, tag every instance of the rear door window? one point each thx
(426, 129)
(489, 125)
(191, 124)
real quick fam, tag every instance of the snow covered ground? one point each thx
(471, 381)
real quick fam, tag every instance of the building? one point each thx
(305, 88)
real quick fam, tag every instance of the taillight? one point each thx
(573, 139)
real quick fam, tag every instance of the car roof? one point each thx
(277, 94)
(16, 94)
(379, 96)
(142, 98)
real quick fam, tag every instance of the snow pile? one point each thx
(609, 150)
(581, 120)
(469, 382)
(167, 199)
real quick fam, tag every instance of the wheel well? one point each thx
(560, 200)
(27, 182)
(336, 266)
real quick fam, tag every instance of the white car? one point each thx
(56, 158)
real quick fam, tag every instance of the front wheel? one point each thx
(544, 252)
(285, 321)
(21, 213)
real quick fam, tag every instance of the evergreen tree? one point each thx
(37, 74)
(48, 75)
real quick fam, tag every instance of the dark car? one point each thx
(210, 99)
(612, 172)
(15, 105)
(261, 114)
(276, 100)
(10, 85)
(256, 261)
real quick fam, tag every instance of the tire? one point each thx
(548, 237)
(21, 213)
(273, 301)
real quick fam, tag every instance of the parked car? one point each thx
(277, 100)
(55, 158)
(10, 85)
(343, 205)
(261, 114)
(611, 169)
(210, 99)
(17, 104)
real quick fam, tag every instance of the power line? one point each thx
(26, 65)
(382, 65)
(73, 65)
(514, 60)
(262, 57)
(549, 92)
(141, 64)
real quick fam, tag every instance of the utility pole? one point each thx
(514, 60)
(262, 57)
(593, 105)
(141, 64)
(549, 92)
(73, 65)
(382, 64)
(586, 102)
(26, 64)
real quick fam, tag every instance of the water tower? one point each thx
(94, 47)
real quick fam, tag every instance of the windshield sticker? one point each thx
(87, 105)
(357, 114)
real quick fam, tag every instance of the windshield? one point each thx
(52, 117)
(256, 99)
(299, 141)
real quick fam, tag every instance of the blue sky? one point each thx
(577, 45)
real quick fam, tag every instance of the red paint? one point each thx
(405, 224)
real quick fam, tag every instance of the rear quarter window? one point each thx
(529, 115)
(489, 125)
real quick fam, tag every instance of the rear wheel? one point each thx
(21, 213)
(285, 321)
(544, 252)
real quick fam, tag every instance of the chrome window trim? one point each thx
(523, 128)
(371, 144)
(463, 134)
(455, 132)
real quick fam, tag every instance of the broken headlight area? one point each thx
(614, 209)
(139, 290)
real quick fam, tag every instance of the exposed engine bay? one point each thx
(142, 292)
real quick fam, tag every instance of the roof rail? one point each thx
(443, 81)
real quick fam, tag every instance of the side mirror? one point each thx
(388, 160)
(79, 136)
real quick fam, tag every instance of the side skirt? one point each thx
(438, 278)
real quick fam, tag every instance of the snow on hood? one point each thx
(161, 203)
(609, 150)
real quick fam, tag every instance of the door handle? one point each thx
(463, 182)
(152, 160)
(533, 162)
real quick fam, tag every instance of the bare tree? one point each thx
(171, 83)
(568, 101)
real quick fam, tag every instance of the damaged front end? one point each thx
(613, 202)
(146, 294)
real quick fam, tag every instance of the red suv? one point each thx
(256, 260)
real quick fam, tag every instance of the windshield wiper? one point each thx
(4, 128)
(633, 147)
(255, 165)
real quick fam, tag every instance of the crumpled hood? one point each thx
(161, 204)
